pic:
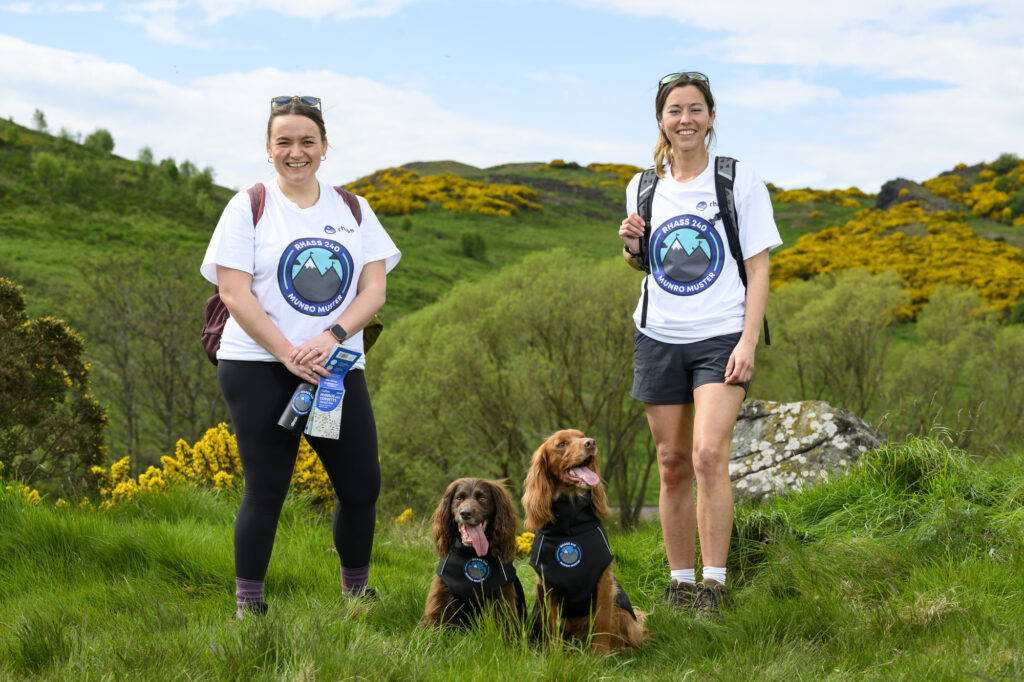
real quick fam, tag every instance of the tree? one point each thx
(51, 428)
(39, 121)
(100, 139)
(832, 337)
(146, 156)
(474, 383)
(145, 312)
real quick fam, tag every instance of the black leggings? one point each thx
(256, 394)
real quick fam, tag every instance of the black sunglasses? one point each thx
(692, 75)
(301, 99)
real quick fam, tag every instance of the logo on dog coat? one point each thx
(477, 570)
(569, 554)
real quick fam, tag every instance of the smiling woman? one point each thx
(695, 341)
(286, 275)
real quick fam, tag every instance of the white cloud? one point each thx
(220, 121)
(51, 7)
(308, 9)
(776, 94)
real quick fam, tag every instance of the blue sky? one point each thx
(810, 93)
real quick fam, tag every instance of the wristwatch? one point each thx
(339, 332)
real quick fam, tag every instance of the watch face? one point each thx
(338, 331)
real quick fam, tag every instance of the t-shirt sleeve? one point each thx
(233, 244)
(377, 243)
(754, 208)
(631, 194)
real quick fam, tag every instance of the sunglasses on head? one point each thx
(692, 75)
(301, 99)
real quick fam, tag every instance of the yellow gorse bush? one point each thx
(213, 461)
(988, 196)
(949, 252)
(840, 197)
(396, 191)
(404, 518)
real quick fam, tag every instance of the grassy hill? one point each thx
(909, 568)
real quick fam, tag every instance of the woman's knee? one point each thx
(710, 462)
(675, 468)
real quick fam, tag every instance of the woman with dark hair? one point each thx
(308, 276)
(694, 348)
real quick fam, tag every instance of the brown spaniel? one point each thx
(578, 596)
(474, 529)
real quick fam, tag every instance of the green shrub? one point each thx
(474, 246)
(51, 428)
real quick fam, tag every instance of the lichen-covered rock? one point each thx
(778, 447)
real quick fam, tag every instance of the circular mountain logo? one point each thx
(686, 255)
(315, 275)
(477, 570)
(569, 554)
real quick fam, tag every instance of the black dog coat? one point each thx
(473, 580)
(571, 553)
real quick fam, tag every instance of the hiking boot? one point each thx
(365, 595)
(680, 596)
(711, 595)
(256, 608)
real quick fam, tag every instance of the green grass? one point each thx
(908, 568)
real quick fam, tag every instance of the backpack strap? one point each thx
(725, 178)
(644, 202)
(258, 201)
(352, 201)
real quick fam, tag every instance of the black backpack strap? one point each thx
(644, 203)
(725, 179)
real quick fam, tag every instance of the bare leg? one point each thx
(672, 430)
(716, 407)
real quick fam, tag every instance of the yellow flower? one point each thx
(524, 543)
(404, 517)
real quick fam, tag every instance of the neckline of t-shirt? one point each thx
(291, 205)
(702, 177)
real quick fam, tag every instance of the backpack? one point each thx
(725, 175)
(217, 313)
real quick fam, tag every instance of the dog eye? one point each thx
(562, 443)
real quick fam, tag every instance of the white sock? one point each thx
(715, 573)
(684, 575)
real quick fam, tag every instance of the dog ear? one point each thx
(598, 497)
(537, 497)
(505, 524)
(443, 525)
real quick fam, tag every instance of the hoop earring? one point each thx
(270, 159)
(323, 158)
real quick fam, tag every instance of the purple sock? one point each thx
(247, 592)
(353, 580)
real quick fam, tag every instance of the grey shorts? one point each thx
(667, 373)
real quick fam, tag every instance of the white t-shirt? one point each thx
(694, 288)
(305, 264)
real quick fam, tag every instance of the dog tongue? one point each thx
(585, 475)
(476, 537)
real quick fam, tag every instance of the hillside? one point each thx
(113, 246)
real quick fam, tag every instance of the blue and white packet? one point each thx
(325, 416)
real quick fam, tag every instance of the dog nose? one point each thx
(465, 513)
(589, 443)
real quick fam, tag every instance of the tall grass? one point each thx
(910, 567)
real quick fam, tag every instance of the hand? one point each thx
(631, 231)
(740, 367)
(316, 350)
